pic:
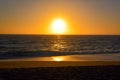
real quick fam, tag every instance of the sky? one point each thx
(89, 17)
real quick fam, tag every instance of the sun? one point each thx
(58, 26)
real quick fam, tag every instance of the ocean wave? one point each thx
(19, 46)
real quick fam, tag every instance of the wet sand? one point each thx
(36, 64)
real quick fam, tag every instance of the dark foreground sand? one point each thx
(64, 70)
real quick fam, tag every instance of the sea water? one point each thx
(22, 46)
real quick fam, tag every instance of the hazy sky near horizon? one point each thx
(82, 16)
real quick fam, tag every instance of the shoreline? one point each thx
(63, 61)
(77, 57)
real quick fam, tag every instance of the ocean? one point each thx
(23, 46)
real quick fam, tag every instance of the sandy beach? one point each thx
(74, 67)
(43, 70)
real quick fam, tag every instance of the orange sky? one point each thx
(82, 16)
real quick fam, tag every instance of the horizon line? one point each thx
(59, 34)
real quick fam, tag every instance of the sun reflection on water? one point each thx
(58, 44)
(57, 58)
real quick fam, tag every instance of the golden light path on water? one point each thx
(58, 44)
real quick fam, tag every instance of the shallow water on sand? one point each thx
(88, 57)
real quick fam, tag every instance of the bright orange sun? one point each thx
(58, 26)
